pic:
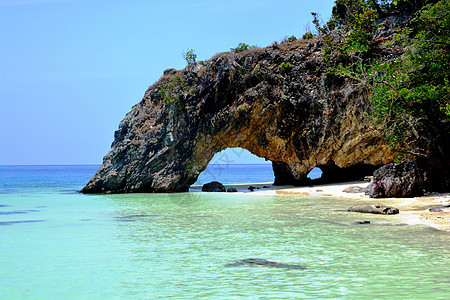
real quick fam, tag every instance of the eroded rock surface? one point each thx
(374, 209)
(297, 116)
(406, 179)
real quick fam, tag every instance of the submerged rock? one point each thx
(213, 186)
(374, 209)
(20, 222)
(362, 223)
(263, 262)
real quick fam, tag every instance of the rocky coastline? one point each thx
(280, 103)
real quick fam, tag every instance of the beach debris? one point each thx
(213, 186)
(374, 209)
(249, 262)
(231, 190)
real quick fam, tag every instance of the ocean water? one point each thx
(58, 244)
(236, 174)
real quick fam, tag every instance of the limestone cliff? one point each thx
(277, 102)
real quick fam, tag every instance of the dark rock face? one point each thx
(169, 72)
(332, 173)
(262, 262)
(406, 179)
(374, 209)
(299, 119)
(213, 186)
(251, 188)
(232, 190)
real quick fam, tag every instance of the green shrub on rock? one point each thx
(285, 67)
(242, 47)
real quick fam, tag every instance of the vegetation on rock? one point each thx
(190, 56)
(242, 47)
(288, 39)
(285, 67)
(173, 89)
(410, 93)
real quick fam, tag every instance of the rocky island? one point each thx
(281, 103)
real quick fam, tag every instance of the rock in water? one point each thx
(232, 190)
(374, 209)
(404, 179)
(263, 262)
(362, 223)
(213, 186)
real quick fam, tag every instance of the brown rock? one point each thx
(406, 179)
(299, 120)
(374, 209)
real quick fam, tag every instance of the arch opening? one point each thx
(315, 173)
(236, 166)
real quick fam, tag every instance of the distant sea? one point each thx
(58, 244)
(236, 174)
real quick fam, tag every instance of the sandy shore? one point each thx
(412, 210)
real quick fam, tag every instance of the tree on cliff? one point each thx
(410, 93)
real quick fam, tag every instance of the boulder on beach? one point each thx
(232, 190)
(405, 179)
(374, 209)
(213, 186)
(252, 188)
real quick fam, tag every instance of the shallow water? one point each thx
(60, 244)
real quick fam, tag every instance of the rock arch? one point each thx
(225, 164)
(294, 116)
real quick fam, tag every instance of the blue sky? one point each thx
(71, 69)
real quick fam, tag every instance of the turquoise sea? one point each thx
(58, 244)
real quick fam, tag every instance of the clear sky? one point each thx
(71, 69)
